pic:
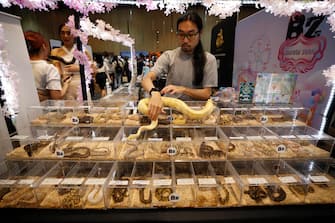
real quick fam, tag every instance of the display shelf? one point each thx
(234, 114)
(88, 143)
(304, 141)
(168, 184)
(181, 142)
(56, 112)
(71, 113)
(34, 141)
(191, 164)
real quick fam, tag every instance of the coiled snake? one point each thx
(176, 104)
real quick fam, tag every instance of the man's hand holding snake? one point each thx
(155, 106)
(174, 103)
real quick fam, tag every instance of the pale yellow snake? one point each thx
(176, 104)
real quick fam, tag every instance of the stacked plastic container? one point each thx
(241, 155)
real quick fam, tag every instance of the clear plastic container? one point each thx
(94, 185)
(117, 186)
(19, 183)
(319, 175)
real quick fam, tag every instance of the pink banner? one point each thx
(302, 44)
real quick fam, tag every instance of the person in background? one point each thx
(101, 74)
(108, 66)
(117, 69)
(107, 61)
(126, 68)
(66, 63)
(140, 64)
(46, 76)
(146, 67)
(191, 72)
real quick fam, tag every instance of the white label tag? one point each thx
(288, 136)
(254, 137)
(184, 139)
(203, 181)
(100, 138)
(270, 137)
(56, 106)
(241, 109)
(211, 138)
(185, 181)
(281, 148)
(19, 137)
(155, 139)
(7, 182)
(26, 181)
(163, 182)
(141, 182)
(236, 137)
(257, 180)
(256, 109)
(45, 137)
(287, 179)
(74, 138)
(118, 182)
(51, 181)
(229, 180)
(284, 108)
(95, 181)
(73, 181)
(319, 179)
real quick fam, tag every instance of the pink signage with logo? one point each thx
(301, 44)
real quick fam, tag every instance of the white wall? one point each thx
(19, 59)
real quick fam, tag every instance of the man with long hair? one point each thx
(191, 72)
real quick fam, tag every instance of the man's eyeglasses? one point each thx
(189, 36)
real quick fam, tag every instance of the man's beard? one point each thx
(186, 48)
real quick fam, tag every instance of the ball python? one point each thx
(173, 103)
(95, 195)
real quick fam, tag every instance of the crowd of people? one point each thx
(111, 69)
(191, 72)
